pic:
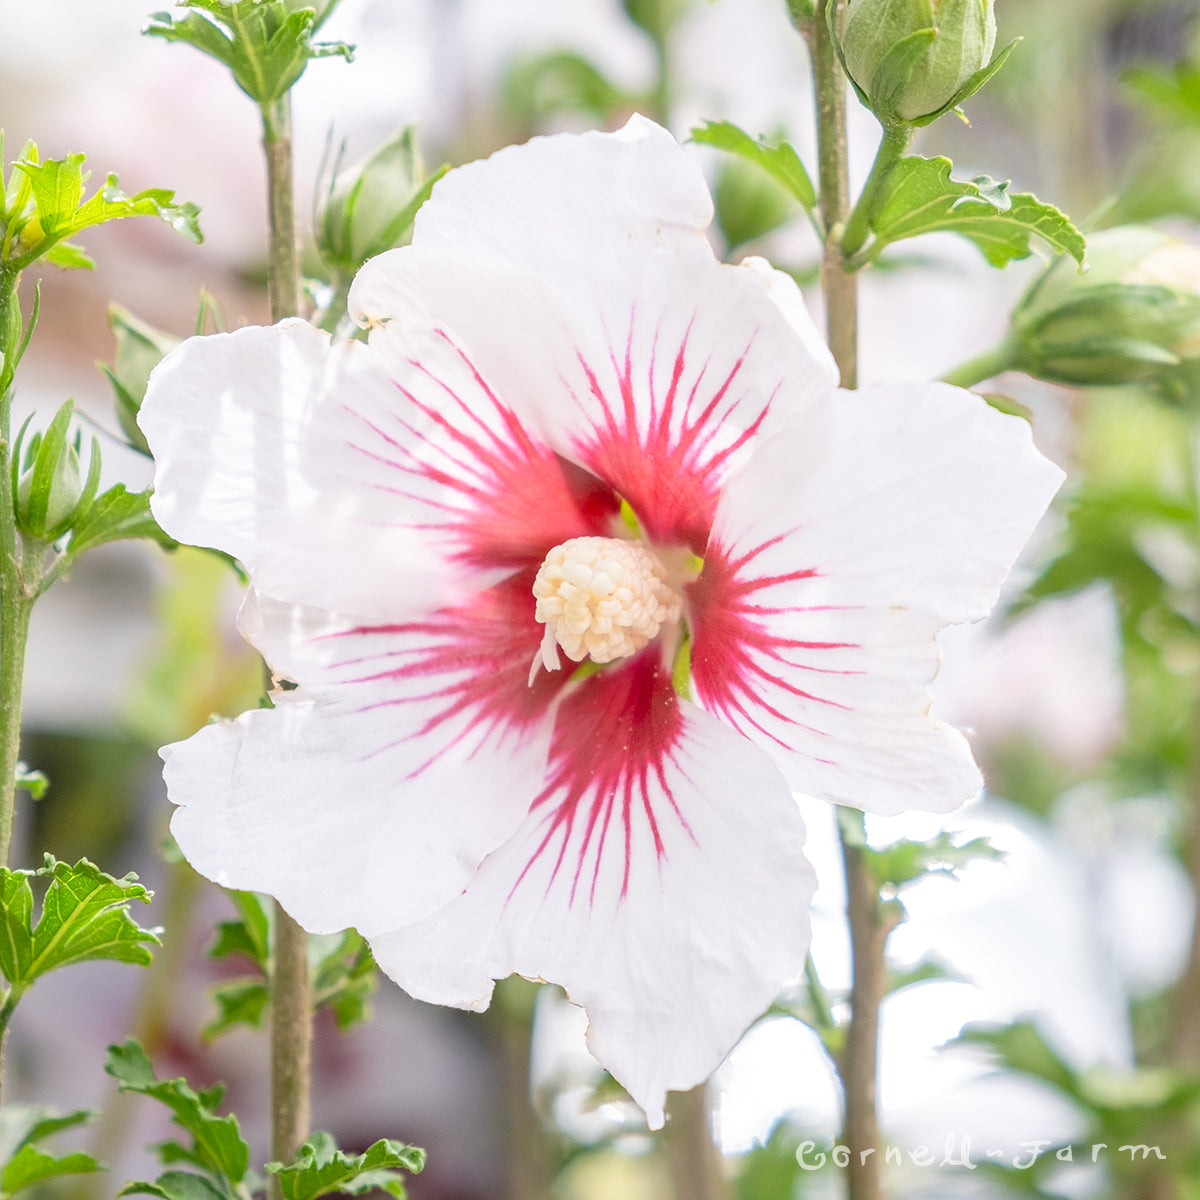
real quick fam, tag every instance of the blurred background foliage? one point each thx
(1098, 112)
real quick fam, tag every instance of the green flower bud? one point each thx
(1133, 319)
(48, 488)
(913, 59)
(369, 208)
(140, 348)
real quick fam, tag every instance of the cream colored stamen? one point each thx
(602, 598)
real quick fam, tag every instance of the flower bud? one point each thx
(1133, 319)
(368, 208)
(140, 348)
(914, 59)
(50, 490)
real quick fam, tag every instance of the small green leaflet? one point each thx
(781, 162)
(85, 916)
(322, 1169)
(918, 196)
(217, 1147)
(21, 1128)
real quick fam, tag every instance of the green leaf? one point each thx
(265, 45)
(904, 861)
(30, 1165)
(321, 1169)
(26, 1125)
(1176, 94)
(56, 188)
(239, 1002)
(110, 204)
(344, 977)
(175, 1185)
(217, 1145)
(539, 87)
(34, 782)
(923, 972)
(781, 162)
(250, 935)
(85, 916)
(1021, 1047)
(68, 255)
(117, 515)
(918, 196)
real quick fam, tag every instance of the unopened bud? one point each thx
(51, 490)
(1134, 318)
(913, 59)
(369, 208)
(140, 348)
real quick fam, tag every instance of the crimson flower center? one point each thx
(601, 598)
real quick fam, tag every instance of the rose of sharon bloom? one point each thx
(580, 566)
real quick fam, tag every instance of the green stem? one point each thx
(16, 606)
(868, 929)
(870, 926)
(839, 288)
(291, 1043)
(982, 367)
(697, 1168)
(893, 147)
(6, 1011)
(283, 254)
(291, 988)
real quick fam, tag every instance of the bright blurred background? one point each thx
(1075, 947)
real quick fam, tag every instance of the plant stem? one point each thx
(16, 607)
(982, 367)
(291, 1042)
(291, 989)
(283, 254)
(869, 926)
(697, 1169)
(839, 288)
(15, 610)
(893, 147)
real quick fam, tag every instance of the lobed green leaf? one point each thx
(85, 916)
(30, 1165)
(904, 861)
(918, 196)
(217, 1145)
(239, 1002)
(175, 1185)
(55, 188)
(321, 1169)
(264, 43)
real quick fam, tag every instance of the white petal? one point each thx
(381, 492)
(782, 290)
(575, 273)
(837, 555)
(369, 794)
(672, 908)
